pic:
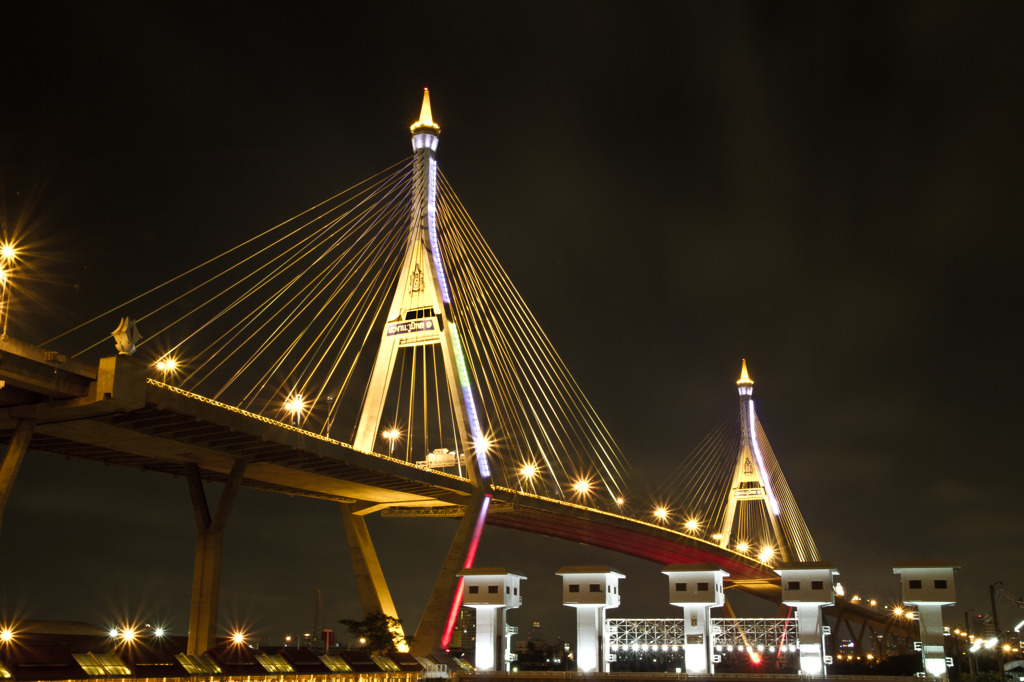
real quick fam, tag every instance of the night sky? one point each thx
(832, 191)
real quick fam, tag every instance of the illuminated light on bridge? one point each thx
(8, 256)
(760, 462)
(480, 441)
(167, 365)
(766, 554)
(661, 513)
(295, 406)
(474, 544)
(692, 525)
(391, 435)
(582, 487)
(6, 635)
(742, 547)
(238, 637)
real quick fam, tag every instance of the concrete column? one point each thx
(807, 586)
(929, 585)
(202, 627)
(443, 605)
(374, 595)
(697, 588)
(590, 590)
(12, 460)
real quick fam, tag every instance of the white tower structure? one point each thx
(590, 590)
(750, 482)
(492, 591)
(929, 585)
(697, 588)
(807, 586)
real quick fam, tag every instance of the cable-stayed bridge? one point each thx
(373, 352)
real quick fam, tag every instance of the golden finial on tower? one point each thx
(745, 379)
(426, 122)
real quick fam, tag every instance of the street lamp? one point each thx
(581, 487)
(295, 406)
(167, 365)
(8, 254)
(392, 435)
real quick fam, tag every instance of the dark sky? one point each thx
(829, 190)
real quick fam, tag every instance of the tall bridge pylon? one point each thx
(750, 483)
(419, 315)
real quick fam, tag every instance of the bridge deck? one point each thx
(114, 414)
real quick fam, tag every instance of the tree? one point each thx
(378, 633)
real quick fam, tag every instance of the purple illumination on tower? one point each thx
(435, 249)
(760, 460)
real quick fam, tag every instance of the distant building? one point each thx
(464, 634)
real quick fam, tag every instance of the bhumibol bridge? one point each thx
(371, 351)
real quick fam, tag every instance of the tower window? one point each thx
(680, 587)
(817, 585)
(914, 584)
(793, 585)
(574, 588)
(474, 589)
(492, 589)
(940, 584)
(702, 587)
(595, 587)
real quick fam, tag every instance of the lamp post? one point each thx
(295, 406)
(166, 365)
(527, 473)
(8, 254)
(391, 435)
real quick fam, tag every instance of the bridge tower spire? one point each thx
(750, 481)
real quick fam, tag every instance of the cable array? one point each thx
(550, 437)
(287, 326)
(696, 497)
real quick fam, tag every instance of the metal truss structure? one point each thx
(644, 634)
(762, 634)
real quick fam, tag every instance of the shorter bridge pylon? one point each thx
(757, 480)
(750, 481)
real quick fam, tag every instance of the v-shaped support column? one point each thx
(202, 626)
(12, 460)
(374, 595)
(446, 597)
